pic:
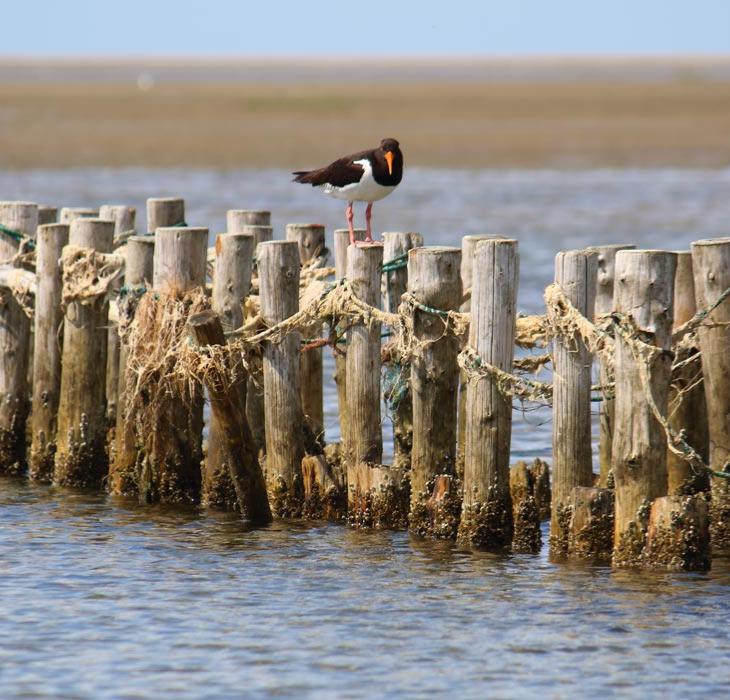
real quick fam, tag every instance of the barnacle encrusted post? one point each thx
(139, 257)
(231, 285)
(605, 274)
(47, 352)
(19, 221)
(711, 264)
(486, 519)
(278, 268)
(575, 273)
(81, 457)
(643, 296)
(434, 285)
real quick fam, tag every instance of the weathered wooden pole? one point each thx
(47, 214)
(434, 280)
(342, 242)
(138, 275)
(468, 249)
(47, 352)
(396, 245)
(20, 218)
(643, 293)
(123, 217)
(604, 305)
(711, 264)
(687, 409)
(68, 214)
(486, 519)
(171, 468)
(310, 240)
(525, 509)
(255, 383)
(363, 358)
(165, 212)
(81, 458)
(575, 273)
(231, 286)
(278, 267)
(229, 419)
(236, 219)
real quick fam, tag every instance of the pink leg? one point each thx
(350, 216)
(368, 214)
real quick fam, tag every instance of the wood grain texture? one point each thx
(164, 211)
(278, 267)
(47, 352)
(575, 273)
(604, 305)
(643, 292)
(486, 520)
(711, 264)
(81, 458)
(236, 219)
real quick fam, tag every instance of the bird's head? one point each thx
(390, 148)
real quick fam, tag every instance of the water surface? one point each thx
(102, 598)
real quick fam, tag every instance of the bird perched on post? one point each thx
(366, 176)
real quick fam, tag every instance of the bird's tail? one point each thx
(304, 176)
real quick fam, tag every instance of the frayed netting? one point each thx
(88, 274)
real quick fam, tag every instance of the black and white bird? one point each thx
(366, 176)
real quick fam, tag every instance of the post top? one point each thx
(269, 244)
(644, 251)
(433, 250)
(712, 241)
(54, 225)
(236, 234)
(17, 204)
(296, 226)
(482, 236)
(90, 221)
(612, 246)
(346, 232)
(249, 211)
(180, 229)
(164, 200)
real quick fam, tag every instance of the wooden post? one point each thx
(81, 458)
(363, 358)
(47, 353)
(236, 219)
(311, 243)
(165, 212)
(540, 471)
(171, 467)
(678, 534)
(711, 264)
(138, 274)
(231, 286)
(643, 292)
(255, 382)
(604, 305)
(525, 510)
(47, 215)
(590, 529)
(434, 279)
(68, 214)
(20, 217)
(687, 409)
(486, 520)
(124, 218)
(398, 393)
(229, 418)
(575, 273)
(342, 242)
(468, 249)
(278, 267)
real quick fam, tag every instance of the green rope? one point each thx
(429, 309)
(395, 385)
(17, 235)
(398, 263)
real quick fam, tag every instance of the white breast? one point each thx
(367, 190)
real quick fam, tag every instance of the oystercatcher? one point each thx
(366, 176)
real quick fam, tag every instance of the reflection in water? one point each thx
(100, 594)
(102, 597)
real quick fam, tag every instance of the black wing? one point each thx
(340, 173)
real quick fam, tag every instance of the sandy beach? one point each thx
(285, 114)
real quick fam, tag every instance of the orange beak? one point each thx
(389, 161)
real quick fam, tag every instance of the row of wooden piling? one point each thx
(450, 476)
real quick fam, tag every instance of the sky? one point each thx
(368, 27)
